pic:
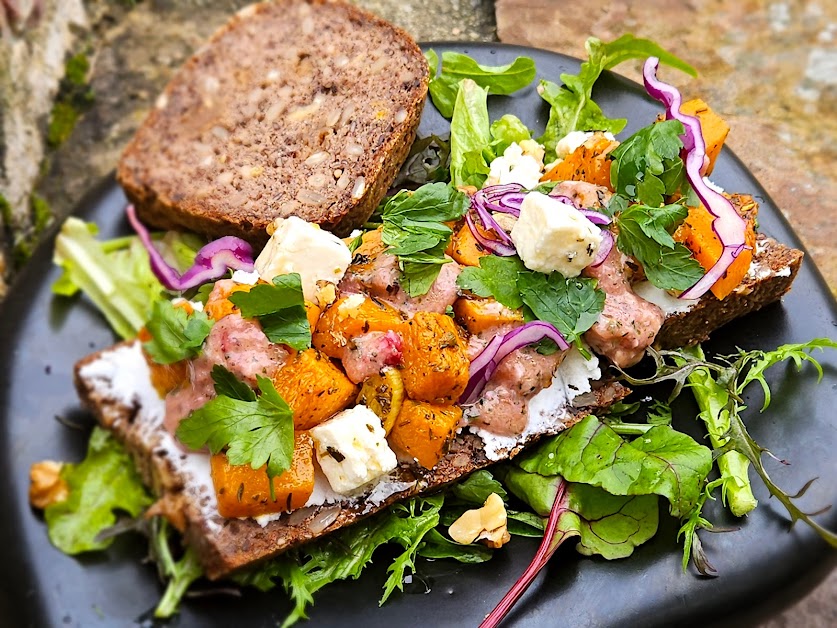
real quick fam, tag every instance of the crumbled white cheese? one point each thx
(548, 408)
(384, 489)
(352, 449)
(515, 167)
(551, 235)
(567, 144)
(297, 246)
(243, 277)
(668, 304)
(712, 186)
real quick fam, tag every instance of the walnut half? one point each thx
(46, 487)
(486, 524)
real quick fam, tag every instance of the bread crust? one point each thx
(208, 160)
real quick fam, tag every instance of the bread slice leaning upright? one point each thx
(294, 107)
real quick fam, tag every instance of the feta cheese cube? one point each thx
(297, 246)
(551, 235)
(567, 144)
(352, 449)
(516, 166)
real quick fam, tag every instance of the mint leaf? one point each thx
(105, 482)
(414, 230)
(645, 233)
(571, 105)
(503, 79)
(257, 432)
(572, 305)
(647, 166)
(175, 334)
(496, 277)
(662, 461)
(280, 308)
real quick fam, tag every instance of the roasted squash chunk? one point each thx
(477, 315)
(464, 247)
(713, 128)
(589, 162)
(422, 431)
(349, 317)
(434, 363)
(697, 235)
(313, 387)
(218, 305)
(244, 492)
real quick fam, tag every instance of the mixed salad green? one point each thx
(598, 482)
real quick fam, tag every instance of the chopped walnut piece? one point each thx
(46, 487)
(486, 524)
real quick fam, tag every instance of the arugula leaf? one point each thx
(503, 79)
(344, 554)
(692, 523)
(257, 431)
(280, 308)
(662, 461)
(572, 305)
(115, 274)
(104, 482)
(179, 574)
(647, 165)
(175, 334)
(496, 277)
(414, 230)
(571, 105)
(645, 233)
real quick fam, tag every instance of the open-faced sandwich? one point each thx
(288, 382)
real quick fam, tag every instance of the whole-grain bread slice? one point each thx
(294, 107)
(115, 385)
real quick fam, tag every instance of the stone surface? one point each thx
(770, 69)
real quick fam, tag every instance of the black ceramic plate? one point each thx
(763, 566)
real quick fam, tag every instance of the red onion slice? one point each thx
(486, 363)
(604, 249)
(727, 224)
(597, 218)
(564, 199)
(494, 246)
(211, 262)
(501, 244)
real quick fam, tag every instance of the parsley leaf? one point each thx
(414, 230)
(257, 431)
(645, 233)
(572, 305)
(496, 277)
(502, 79)
(280, 308)
(647, 166)
(571, 105)
(175, 334)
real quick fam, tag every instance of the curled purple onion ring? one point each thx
(211, 262)
(604, 249)
(486, 363)
(727, 224)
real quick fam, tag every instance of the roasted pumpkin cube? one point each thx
(464, 247)
(422, 431)
(434, 365)
(477, 315)
(712, 126)
(697, 235)
(218, 304)
(349, 317)
(589, 162)
(245, 492)
(313, 387)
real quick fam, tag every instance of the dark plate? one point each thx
(763, 566)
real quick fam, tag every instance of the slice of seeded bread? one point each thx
(294, 107)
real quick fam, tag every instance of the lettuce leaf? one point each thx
(105, 482)
(470, 136)
(571, 104)
(175, 334)
(116, 274)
